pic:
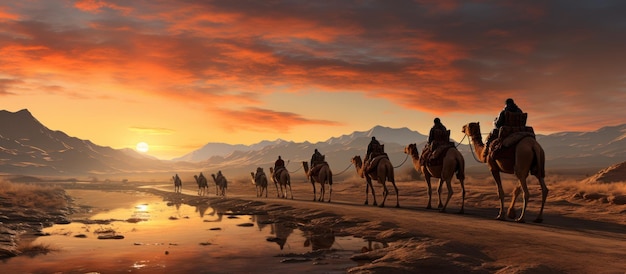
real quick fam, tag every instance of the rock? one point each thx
(110, 237)
(618, 200)
(80, 236)
(246, 225)
(594, 196)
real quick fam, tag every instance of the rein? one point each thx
(469, 143)
(343, 170)
(407, 157)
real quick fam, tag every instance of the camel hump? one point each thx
(515, 119)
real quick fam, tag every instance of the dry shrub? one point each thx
(611, 189)
(33, 195)
(31, 249)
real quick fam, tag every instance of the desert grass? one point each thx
(33, 195)
(32, 249)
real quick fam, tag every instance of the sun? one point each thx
(142, 147)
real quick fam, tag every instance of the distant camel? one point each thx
(203, 185)
(382, 173)
(178, 184)
(324, 175)
(452, 162)
(284, 181)
(529, 158)
(260, 181)
(221, 183)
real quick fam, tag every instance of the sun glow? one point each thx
(142, 147)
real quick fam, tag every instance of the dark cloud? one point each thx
(458, 56)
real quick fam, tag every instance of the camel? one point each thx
(220, 183)
(324, 175)
(528, 156)
(260, 181)
(284, 181)
(203, 185)
(382, 173)
(178, 184)
(453, 162)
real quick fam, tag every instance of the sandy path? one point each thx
(563, 243)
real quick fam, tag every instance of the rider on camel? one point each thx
(498, 122)
(373, 150)
(278, 165)
(316, 160)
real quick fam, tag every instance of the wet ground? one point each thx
(136, 232)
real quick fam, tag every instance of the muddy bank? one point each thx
(19, 221)
(391, 248)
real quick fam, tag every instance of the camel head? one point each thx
(411, 149)
(356, 160)
(472, 129)
(305, 165)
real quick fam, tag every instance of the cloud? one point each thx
(440, 57)
(151, 130)
(257, 119)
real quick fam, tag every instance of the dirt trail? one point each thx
(474, 240)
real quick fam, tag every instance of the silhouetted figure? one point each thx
(509, 106)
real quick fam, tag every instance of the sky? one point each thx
(180, 74)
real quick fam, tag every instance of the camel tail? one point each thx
(540, 161)
(460, 168)
(330, 177)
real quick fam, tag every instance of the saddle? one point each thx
(374, 162)
(316, 169)
(278, 171)
(436, 157)
(434, 153)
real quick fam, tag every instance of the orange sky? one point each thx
(179, 75)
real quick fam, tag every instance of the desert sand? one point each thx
(584, 228)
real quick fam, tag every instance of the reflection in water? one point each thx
(320, 240)
(187, 241)
(262, 221)
(282, 231)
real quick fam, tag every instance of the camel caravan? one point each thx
(510, 148)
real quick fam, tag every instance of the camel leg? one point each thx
(322, 192)
(290, 192)
(369, 186)
(439, 189)
(462, 211)
(544, 195)
(450, 192)
(525, 197)
(314, 190)
(429, 189)
(330, 192)
(496, 177)
(393, 182)
(385, 193)
(511, 212)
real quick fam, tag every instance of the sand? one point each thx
(578, 235)
(583, 230)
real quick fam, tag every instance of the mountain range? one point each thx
(27, 147)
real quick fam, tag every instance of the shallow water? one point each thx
(162, 238)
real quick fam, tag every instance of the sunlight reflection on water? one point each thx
(158, 237)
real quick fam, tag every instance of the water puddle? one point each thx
(141, 233)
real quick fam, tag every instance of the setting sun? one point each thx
(142, 147)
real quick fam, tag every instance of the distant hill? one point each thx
(29, 148)
(613, 174)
